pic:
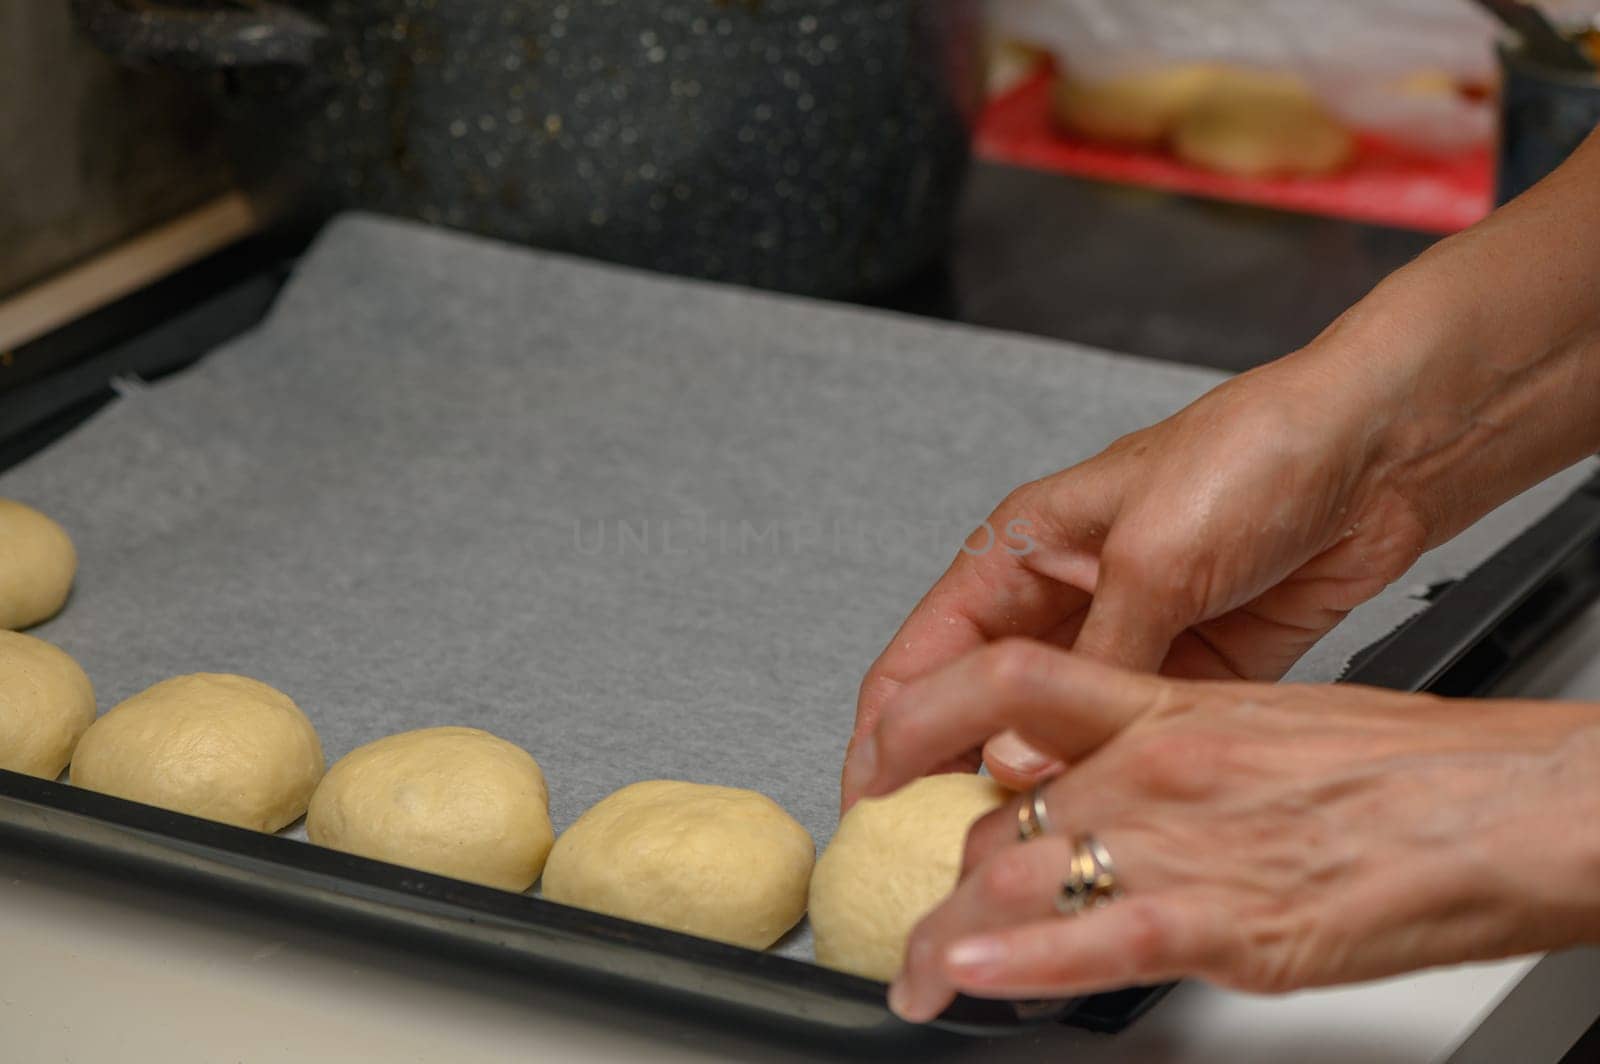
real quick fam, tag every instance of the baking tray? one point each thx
(1470, 633)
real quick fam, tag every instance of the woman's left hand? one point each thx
(1267, 838)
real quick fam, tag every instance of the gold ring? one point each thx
(1033, 819)
(1091, 879)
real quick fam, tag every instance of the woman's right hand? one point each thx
(1220, 543)
(1226, 540)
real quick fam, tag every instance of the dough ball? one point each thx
(1430, 83)
(211, 745)
(1261, 125)
(37, 564)
(716, 862)
(456, 801)
(890, 863)
(1137, 109)
(46, 704)
(1009, 62)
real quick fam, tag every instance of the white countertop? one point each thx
(93, 970)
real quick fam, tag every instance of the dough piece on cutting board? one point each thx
(459, 802)
(46, 704)
(211, 745)
(1137, 109)
(890, 863)
(37, 564)
(718, 862)
(1261, 125)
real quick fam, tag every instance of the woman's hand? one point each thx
(1226, 540)
(1220, 543)
(1267, 838)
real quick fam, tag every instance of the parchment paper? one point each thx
(643, 527)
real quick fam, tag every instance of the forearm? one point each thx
(1476, 369)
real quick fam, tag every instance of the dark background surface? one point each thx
(1149, 273)
(91, 153)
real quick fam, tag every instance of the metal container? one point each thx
(1544, 115)
(813, 146)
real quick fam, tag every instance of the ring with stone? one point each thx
(1091, 878)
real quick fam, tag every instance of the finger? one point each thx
(1018, 885)
(1015, 763)
(990, 833)
(1011, 578)
(1134, 941)
(1000, 829)
(1060, 701)
(1081, 802)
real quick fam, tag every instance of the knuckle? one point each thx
(876, 687)
(1009, 666)
(922, 946)
(978, 843)
(1006, 880)
(1021, 500)
(1132, 445)
(896, 727)
(971, 857)
(1148, 947)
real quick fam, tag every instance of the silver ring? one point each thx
(1091, 879)
(1033, 819)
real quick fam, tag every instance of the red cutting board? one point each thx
(1386, 184)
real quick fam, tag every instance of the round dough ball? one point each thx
(456, 801)
(1262, 126)
(717, 862)
(211, 745)
(890, 863)
(1009, 62)
(37, 564)
(46, 704)
(1137, 109)
(1430, 83)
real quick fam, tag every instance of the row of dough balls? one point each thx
(717, 862)
(1230, 120)
(46, 702)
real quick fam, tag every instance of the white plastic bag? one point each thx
(1372, 62)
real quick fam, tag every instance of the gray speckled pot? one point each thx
(814, 146)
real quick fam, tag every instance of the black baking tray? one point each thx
(1471, 633)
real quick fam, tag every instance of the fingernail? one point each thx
(971, 954)
(863, 768)
(1011, 750)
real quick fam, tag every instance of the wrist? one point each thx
(1457, 402)
(1418, 411)
(1547, 848)
(1356, 385)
